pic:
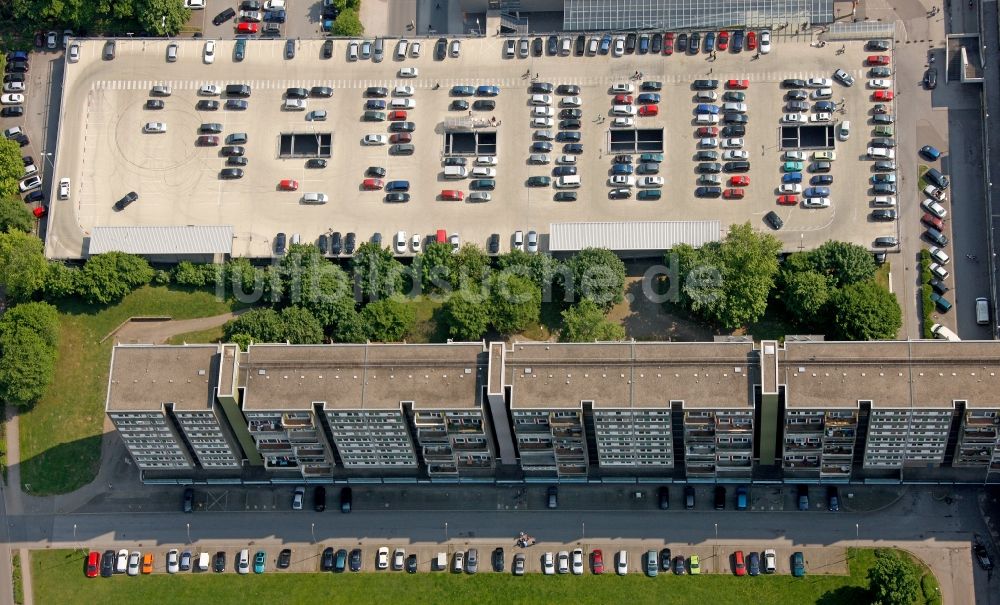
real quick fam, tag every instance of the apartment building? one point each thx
(727, 411)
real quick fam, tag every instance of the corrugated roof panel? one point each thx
(189, 239)
(632, 235)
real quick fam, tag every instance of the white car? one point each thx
(12, 99)
(155, 127)
(623, 123)
(621, 563)
(795, 156)
(770, 561)
(790, 188)
(623, 110)
(619, 49)
(822, 93)
(456, 242)
(566, 159)
(294, 105)
(456, 48)
(251, 16)
(352, 50)
(735, 154)
(399, 555)
(482, 172)
(209, 90)
(793, 118)
(708, 143)
(415, 242)
(542, 112)
(541, 122)
(707, 118)
(541, 100)
(299, 493)
(884, 200)
(173, 561)
(732, 143)
(408, 72)
(415, 50)
(133, 563)
(400, 244)
(578, 562)
(486, 160)
(30, 169)
(402, 103)
(570, 102)
(650, 181)
(622, 88)
(74, 53)
(735, 107)
(819, 82)
(821, 117)
(382, 558)
(272, 4)
(939, 271)
(548, 564)
(209, 51)
(765, 42)
(314, 198)
(934, 208)
(621, 180)
(939, 255)
(881, 153)
(194, 4)
(563, 560)
(375, 139)
(816, 202)
(402, 91)
(13, 87)
(879, 84)
(64, 189)
(510, 48)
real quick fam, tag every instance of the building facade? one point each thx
(728, 411)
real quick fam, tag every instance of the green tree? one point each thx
(109, 277)
(13, 214)
(467, 316)
(598, 274)
(545, 271)
(387, 320)
(258, 325)
(347, 23)
(435, 265)
(27, 366)
(377, 272)
(892, 580)
(22, 265)
(470, 267)
(60, 280)
(805, 294)
(163, 17)
(843, 262)
(38, 317)
(347, 325)
(301, 327)
(585, 322)
(247, 282)
(515, 302)
(11, 169)
(196, 275)
(865, 311)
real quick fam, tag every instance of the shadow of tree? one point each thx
(845, 595)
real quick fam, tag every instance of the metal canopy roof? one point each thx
(190, 239)
(632, 235)
(612, 15)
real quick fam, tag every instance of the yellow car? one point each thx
(695, 565)
(827, 156)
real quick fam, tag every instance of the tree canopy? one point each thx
(29, 336)
(387, 320)
(805, 295)
(377, 272)
(892, 580)
(108, 277)
(585, 322)
(158, 17)
(467, 315)
(515, 302)
(842, 262)
(348, 23)
(11, 169)
(598, 274)
(14, 216)
(865, 311)
(23, 267)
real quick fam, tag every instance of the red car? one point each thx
(788, 200)
(723, 42)
(247, 28)
(708, 131)
(739, 181)
(93, 563)
(372, 184)
(288, 185)
(882, 95)
(739, 565)
(597, 558)
(649, 110)
(878, 59)
(397, 116)
(623, 99)
(932, 221)
(400, 137)
(733, 194)
(39, 211)
(738, 84)
(441, 237)
(207, 140)
(452, 195)
(668, 43)
(751, 40)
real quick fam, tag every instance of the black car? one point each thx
(797, 95)
(652, 86)
(568, 89)
(827, 106)
(536, 47)
(402, 127)
(35, 196)
(734, 130)
(440, 52)
(565, 196)
(648, 168)
(284, 558)
(158, 104)
(356, 559)
(630, 43)
(574, 148)
(693, 43)
(939, 286)
(552, 47)
(231, 173)
(663, 494)
(720, 498)
(936, 237)
(346, 494)
(930, 78)
(541, 147)
(571, 114)
(377, 239)
(772, 219)
(884, 166)
(236, 104)
(459, 105)
(187, 504)
(120, 205)
(737, 167)
(657, 44)
(541, 88)
(219, 564)
(316, 163)
(682, 43)
(326, 562)
(323, 243)
(708, 168)
(202, 105)
(336, 243)
(688, 497)
(484, 105)
(279, 243)
(735, 118)
(580, 46)
(15, 77)
(983, 557)
(706, 155)
(296, 93)
(497, 559)
(665, 559)
(108, 564)
(377, 92)
(753, 564)
(622, 159)
(564, 137)
(821, 179)
(793, 106)
(494, 244)
(231, 150)
(319, 499)
(882, 119)
(708, 192)
(569, 124)
(327, 49)
(411, 564)
(679, 568)
(820, 167)
(793, 83)
(12, 112)
(564, 171)
(833, 498)
(877, 45)
(224, 16)
(705, 84)
(619, 194)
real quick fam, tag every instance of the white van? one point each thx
(243, 562)
(401, 49)
(441, 561)
(568, 182)
(944, 333)
(455, 172)
(982, 311)
(203, 560)
(845, 130)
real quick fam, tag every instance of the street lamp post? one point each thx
(716, 532)
(857, 531)
(314, 532)
(189, 533)
(583, 530)
(445, 531)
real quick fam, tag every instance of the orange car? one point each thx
(147, 563)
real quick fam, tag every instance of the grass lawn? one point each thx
(428, 326)
(58, 578)
(210, 335)
(882, 275)
(60, 435)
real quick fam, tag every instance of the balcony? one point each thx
(442, 469)
(294, 422)
(793, 446)
(698, 420)
(734, 447)
(571, 469)
(263, 426)
(567, 432)
(835, 470)
(570, 452)
(422, 420)
(728, 426)
(534, 445)
(471, 447)
(801, 427)
(837, 450)
(839, 433)
(699, 433)
(431, 433)
(466, 462)
(802, 464)
(565, 420)
(700, 470)
(459, 428)
(531, 429)
(730, 464)
(537, 459)
(298, 436)
(315, 450)
(275, 448)
(835, 421)
(979, 433)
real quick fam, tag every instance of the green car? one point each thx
(733, 96)
(258, 561)
(651, 157)
(792, 166)
(798, 565)
(648, 194)
(695, 565)
(240, 49)
(539, 181)
(883, 131)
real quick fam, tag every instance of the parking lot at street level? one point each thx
(106, 154)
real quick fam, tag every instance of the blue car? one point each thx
(258, 561)
(791, 177)
(930, 152)
(643, 45)
(709, 42)
(706, 108)
(817, 192)
(605, 44)
(462, 91)
(821, 179)
(374, 104)
(487, 91)
(648, 98)
(275, 15)
(621, 169)
(737, 41)
(397, 186)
